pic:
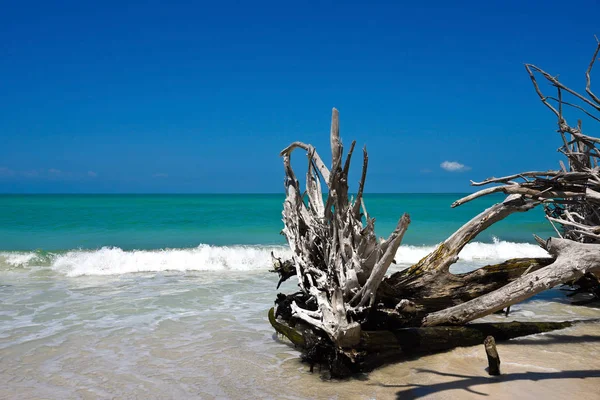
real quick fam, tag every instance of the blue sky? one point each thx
(201, 96)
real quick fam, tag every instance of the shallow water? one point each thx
(205, 334)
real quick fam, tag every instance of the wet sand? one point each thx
(199, 335)
(557, 365)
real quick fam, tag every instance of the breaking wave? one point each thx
(115, 261)
(477, 252)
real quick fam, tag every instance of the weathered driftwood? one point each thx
(571, 200)
(379, 347)
(431, 293)
(430, 278)
(341, 266)
(573, 260)
(492, 356)
(339, 262)
(446, 254)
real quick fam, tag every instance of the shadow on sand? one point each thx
(465, 382)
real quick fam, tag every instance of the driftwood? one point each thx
(573, 260)
(492, 356)
(339, 262)
(379, 347)
(344, 295)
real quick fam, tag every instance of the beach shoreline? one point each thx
(201, 334)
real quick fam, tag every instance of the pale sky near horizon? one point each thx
(104, 97)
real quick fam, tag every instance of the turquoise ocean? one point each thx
(58, 223)
(165, 296)
(114, 234)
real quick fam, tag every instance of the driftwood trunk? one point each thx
(378, 347)
(573, 260)
(346, 304)
(492, 356)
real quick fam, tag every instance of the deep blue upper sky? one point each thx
(176, 96)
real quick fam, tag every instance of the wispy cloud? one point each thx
(454, 166)
(43, 173)
(160, 175)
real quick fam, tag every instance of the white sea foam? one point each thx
(112, 261)
(17, 259)
(115, 261)
(475, 252)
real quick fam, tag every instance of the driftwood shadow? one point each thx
(466, 382)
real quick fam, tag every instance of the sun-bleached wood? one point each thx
(339, 261)
(573, 260)
(341, 266)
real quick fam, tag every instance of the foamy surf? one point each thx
(115, 261)
(478, 252)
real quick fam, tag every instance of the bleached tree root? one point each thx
(446, 254)
(573, 260)
(338, 261)
(349, 316)
(447, 290)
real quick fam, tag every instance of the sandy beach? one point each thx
(559, 365)
(203, 334)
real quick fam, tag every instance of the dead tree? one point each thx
(571, 199)
(339, 262)
(344, 295)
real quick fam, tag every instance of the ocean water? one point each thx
(143, 222)
(165, 296)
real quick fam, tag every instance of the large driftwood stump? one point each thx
(339, 261)
(345, 299)
(378, 347)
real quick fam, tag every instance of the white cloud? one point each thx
(54, 172)
(160, 175)
(92, 174)
(454, 166)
